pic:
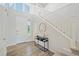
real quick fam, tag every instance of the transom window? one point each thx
(19, 7)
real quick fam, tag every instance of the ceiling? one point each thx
(49, 6)
(41, 5)
(36, 8)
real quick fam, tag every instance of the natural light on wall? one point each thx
(19, 7)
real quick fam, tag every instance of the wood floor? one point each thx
(26, 49)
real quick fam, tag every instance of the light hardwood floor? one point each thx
(26, 49)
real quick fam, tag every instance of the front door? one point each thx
(23, 30)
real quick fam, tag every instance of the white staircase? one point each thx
(71, 18)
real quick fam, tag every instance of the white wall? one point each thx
(3, 40)
(22, 34)
(10, 23)
(15, 24)
(56, 40)
(66, 20)
(17, 27)
(54, 6)
(11, 27)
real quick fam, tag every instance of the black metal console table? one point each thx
(43, 39)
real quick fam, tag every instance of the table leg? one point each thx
(48, 45)
(44, 46)
(38, 41)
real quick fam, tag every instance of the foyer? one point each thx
(56, 24)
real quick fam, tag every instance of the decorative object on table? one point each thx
(42, 28)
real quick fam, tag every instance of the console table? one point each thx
(44, 40)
